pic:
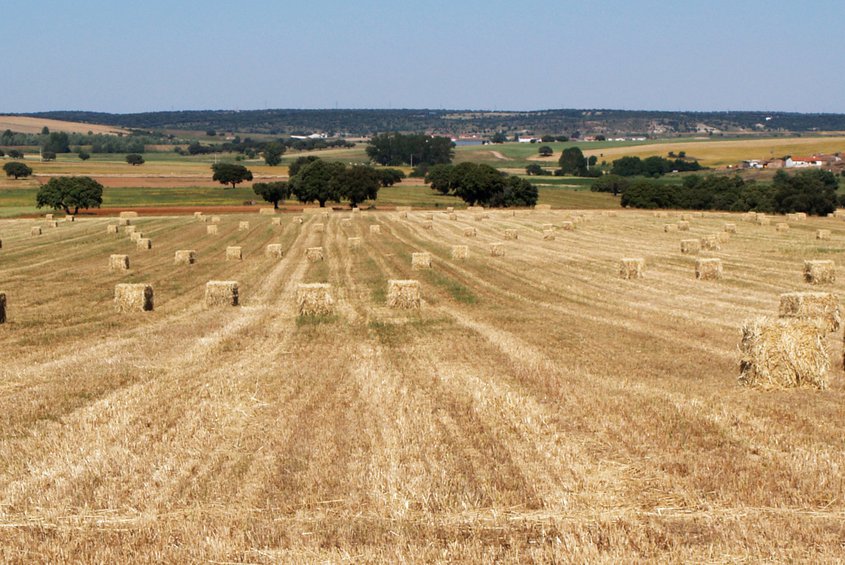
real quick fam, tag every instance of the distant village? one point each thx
(821, 161)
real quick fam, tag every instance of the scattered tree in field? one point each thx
(228, 173)
(135, 159)
(273, 153)
(70, 193)
(313, 182)
(57, 142)
(545, 151)
(499, 137)
(535, 169)
(573, 162)
(592, 160)
(274, 192)
(48, 156)
(389, 177)
(547, 138)
(481, 184)
(300, 162)
(356, 184)
(409, 149)
(84, 155)
(613, 184)
(15, 154)
(17, 170)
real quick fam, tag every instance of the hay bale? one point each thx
(318, 228)
(631, 268)
(354, 242)
(52, 224)
(185, 257)
(548, 235)
(35, 231)
(297, 219)
(450, 209)
(112, 228)
(314, 299)
(403, 215)
(243, 226)
(355, 210)
(275, 221)
(542, 207)
(453, 216)
(511, 234)
(420, 261)
(470, 232)
(670, 227)
(128, 215)
(497, 250)
(234, 253)
(119, 262)
(822, 234)
(314, 254)
(346, 223)
(475, 208)
(723, 236)
(212, 229)
(711, 243)
(215, 219)
(460, 252)
(129, 230)
(427, 225)
(708, 269)
(133, 297)
(690, 246)
(821, 308)
(375, 229)
(658, 214)
(124, 222)
(197, 215)
(274, 250)
(567, 226)
(144, 243)
(683, 226)
(763, 221)
(267, 211)
(2, 307)
(70, 218)
(135, 236)
(783, 353)
(204, 219)
(819, 272)
(48, 217)
(221, 293)
(800, 215)
(782, 227)
(730, 228)
(403, 294)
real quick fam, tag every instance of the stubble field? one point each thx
(537, 407)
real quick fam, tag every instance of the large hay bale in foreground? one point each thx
(711, 243)
(2, 307)
(375, 229)
(185, 257)
(234, 253)
(144, 243)
(785, 353)
(819, 307)
(112, 228)
(221, 293)
(470, 232)
(631, 268)
(690, 245)
(460, 252)
(35, 231)
(314, 254)
(549, 235)
(127, 214)
(822, 234)
(133, 297)
(730, 228)
(782, 227)
(403, 294)
(670, 227)
(212, 229)
(511, 234)
(497, 250)
(420, 261)
(314, 299)
(243, 226)
(819, 272)
(708, 269)
(274, 250)
(119, 262)
(683, 225)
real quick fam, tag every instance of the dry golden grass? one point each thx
(537, 409)
(24, 124)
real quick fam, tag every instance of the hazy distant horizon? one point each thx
(106, 56)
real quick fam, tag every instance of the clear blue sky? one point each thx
(116, 56)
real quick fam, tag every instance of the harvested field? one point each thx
(538, 408)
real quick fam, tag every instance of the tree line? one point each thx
(481, 184)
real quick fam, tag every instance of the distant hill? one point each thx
(464, 122)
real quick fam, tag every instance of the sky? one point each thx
(122, 57)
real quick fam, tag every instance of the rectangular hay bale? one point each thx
(783, 353)
(730, 228)
(243, 226)
(497, 250)
(234, 253)
(112, 228)
(708, 269)
(670, 227)
(314, 254)
(133, 297)
(822, 234)
(403, 294)
(185, 257)
(420, 261)
(212, 229)
(820, 307)
(683, 225)
(820, 272)
(119, 262)
(511, 234)
(631, 268)
(35, 231)
(375, 229)
(221, 293)
(782, 227)
(459, 252)
(274, 250)
(314, 299)
(690, 246)
(128, 214)
(144, 243)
